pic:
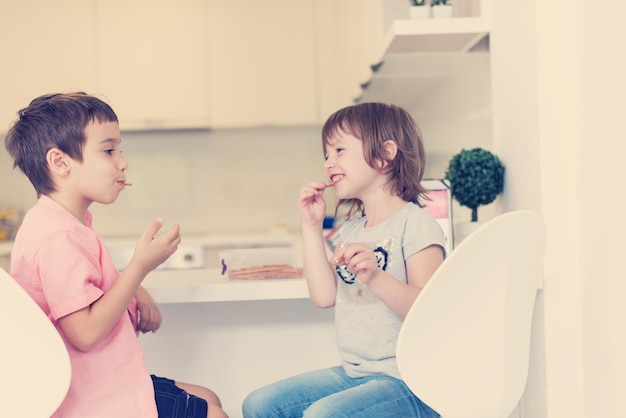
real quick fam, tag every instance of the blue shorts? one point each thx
(174, 402)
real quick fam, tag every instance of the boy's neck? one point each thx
(72, 205)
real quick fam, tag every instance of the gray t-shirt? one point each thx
(367, 330)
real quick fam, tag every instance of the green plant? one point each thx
(432, 2)
(477, 178)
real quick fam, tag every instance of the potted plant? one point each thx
(477, 178)
(441, 8)
(419, 9)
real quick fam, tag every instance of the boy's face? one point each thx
(101, 175)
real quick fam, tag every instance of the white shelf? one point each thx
(418, 55)
(208, 285)
(458, 34)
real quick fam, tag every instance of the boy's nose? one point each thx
(123, 164)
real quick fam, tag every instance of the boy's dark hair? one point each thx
(373, 124)
(53, 121)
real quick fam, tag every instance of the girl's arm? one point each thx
(320, 277)
(398, 296)
(87, 327)
(319, 273)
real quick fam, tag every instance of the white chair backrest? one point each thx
(464, 345)
(34, 364)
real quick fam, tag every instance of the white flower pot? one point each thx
(419, 12)
(442, 11)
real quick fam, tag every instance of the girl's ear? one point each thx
(57, 162)
(390, 151)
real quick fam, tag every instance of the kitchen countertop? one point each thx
(208, 285)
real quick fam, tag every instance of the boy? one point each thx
(68, 145)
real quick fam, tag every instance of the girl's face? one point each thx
(346, 167)
(101, 176)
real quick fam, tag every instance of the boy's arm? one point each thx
(87, 327)
(150, 317)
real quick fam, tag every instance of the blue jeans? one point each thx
(331, 393)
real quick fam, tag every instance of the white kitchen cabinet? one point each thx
(146, 58)
(350, 36)
(46, 47)
(263, 68)
(152, 62)
(289, 63)
(167, 64)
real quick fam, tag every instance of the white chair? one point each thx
(464, 345)
(34, 364)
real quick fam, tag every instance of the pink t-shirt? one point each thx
(64, 266)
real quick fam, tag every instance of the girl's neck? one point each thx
(379, 210)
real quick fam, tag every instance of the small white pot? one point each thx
(442, 11)
(419, 12)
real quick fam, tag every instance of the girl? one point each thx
(383, 256)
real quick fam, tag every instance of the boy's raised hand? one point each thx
(151, 250)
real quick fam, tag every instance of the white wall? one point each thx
(458, 115)
(568, 58)
(600, 112)
(516, 140)
(209, 181)
(248, 179)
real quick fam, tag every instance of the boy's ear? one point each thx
(57, 162)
